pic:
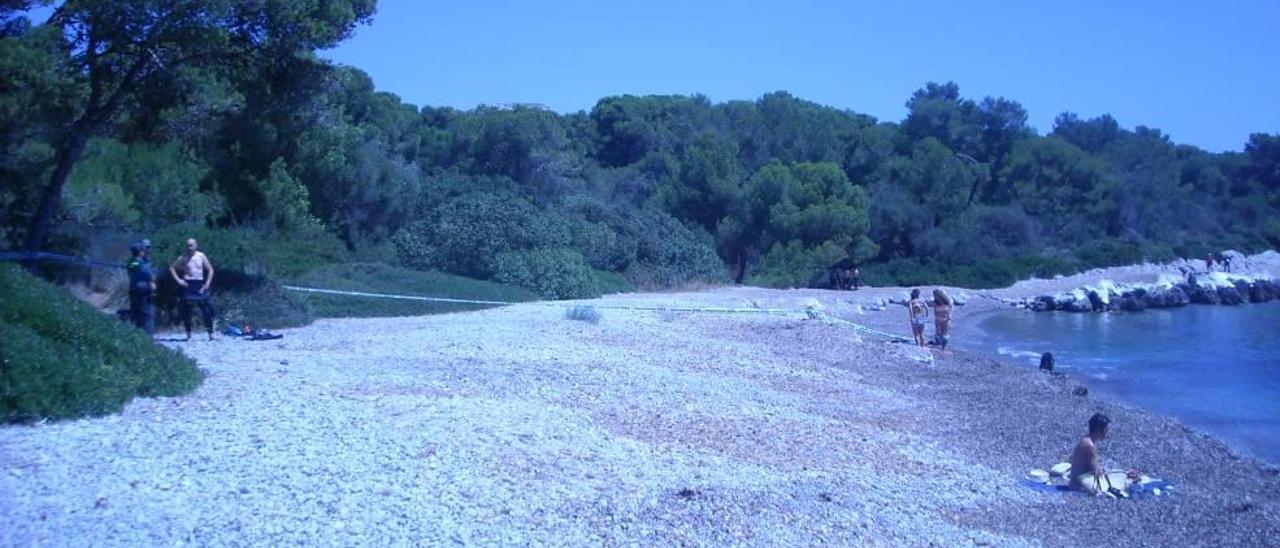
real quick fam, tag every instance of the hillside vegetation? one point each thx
(292, 151)
(60, 358)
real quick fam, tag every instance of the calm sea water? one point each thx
(1216, 368)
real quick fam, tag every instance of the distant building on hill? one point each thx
(514, 106)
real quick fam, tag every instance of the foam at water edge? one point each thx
(1016, 353)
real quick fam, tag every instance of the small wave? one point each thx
(1100, 376)
(1016, 353)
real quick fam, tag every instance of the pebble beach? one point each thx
(517, 426)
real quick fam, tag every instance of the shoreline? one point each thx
(518, 426)
(1020, 361)
(861, 307)
(877, 308)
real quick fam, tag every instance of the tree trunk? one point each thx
(51, 198)
(96, 113)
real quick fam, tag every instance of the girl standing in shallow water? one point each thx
(941, 317)
(917, 313)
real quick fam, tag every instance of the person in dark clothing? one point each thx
(194, 273)
(1046, 362)
(142, 288)
(855, 278)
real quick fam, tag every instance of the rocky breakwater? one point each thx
(957, 299)
(1167, 292)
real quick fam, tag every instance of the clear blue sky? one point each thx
(1207, 73)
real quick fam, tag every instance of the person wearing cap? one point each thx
(194, 273)
(142, 287)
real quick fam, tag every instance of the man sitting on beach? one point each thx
(1086, 469)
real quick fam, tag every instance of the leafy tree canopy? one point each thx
(137, 115)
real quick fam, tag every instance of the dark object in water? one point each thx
(1080, 391)
(1046, 362)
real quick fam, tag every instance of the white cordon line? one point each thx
(774, 311)
(771, 311)
(392, 296)
(860, 327)
(560, 305)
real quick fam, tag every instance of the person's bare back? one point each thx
(1086, 465)
(1084, 460)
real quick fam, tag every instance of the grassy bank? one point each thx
(60, 358)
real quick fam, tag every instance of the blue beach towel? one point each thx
(1149, 489)
(1047, 487)
(1153, 488)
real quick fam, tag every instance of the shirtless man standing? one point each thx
(193, 273)
(1085, 466)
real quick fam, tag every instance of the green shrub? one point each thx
(140, 185)
(611, 282)
(466, 234)
(556, 273)
(583, 313)
(1271, 232)
(794, 265)
(60, 358)
(383, 251)
(650, 248)
(380, 278)
(598, 244)
(669, 254)
(1109, 252)
(252, 251)
(980, 275)
(257, 300)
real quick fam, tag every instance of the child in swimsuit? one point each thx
(941, 317)
(917, 312)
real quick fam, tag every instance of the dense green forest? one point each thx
(223, 123)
